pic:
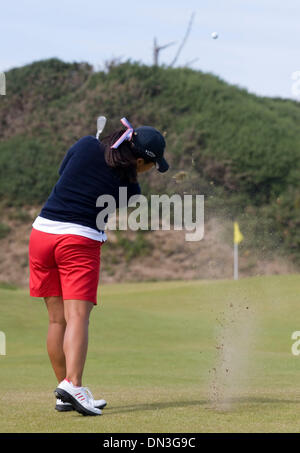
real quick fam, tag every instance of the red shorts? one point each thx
(64, 265)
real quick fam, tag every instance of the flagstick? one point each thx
(236, 261)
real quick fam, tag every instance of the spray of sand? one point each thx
(229, 376)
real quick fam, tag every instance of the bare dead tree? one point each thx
(188, 30)
(157, 49)
(189, 63)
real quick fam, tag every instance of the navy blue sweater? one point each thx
(84, 176)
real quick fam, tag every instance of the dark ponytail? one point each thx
(123, 159)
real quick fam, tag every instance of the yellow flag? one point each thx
(237, 235)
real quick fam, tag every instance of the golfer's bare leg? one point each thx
(77, 313)
(55, 337)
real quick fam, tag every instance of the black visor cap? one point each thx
(162, 165)
(151, 143)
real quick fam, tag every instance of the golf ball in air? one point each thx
(214, 35)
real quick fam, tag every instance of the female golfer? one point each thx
(65, 245)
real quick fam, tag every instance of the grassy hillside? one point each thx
(241, 151)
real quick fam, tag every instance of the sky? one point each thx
(258, 47)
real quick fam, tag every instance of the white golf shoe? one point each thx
(79, 398)
(63, 407)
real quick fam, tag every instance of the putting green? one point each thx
(168, 357)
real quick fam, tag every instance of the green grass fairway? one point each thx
(167, 356)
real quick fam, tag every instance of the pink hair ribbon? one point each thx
(127, 134)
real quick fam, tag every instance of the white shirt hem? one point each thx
(56, 227)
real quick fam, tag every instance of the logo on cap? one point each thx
(149, 153)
